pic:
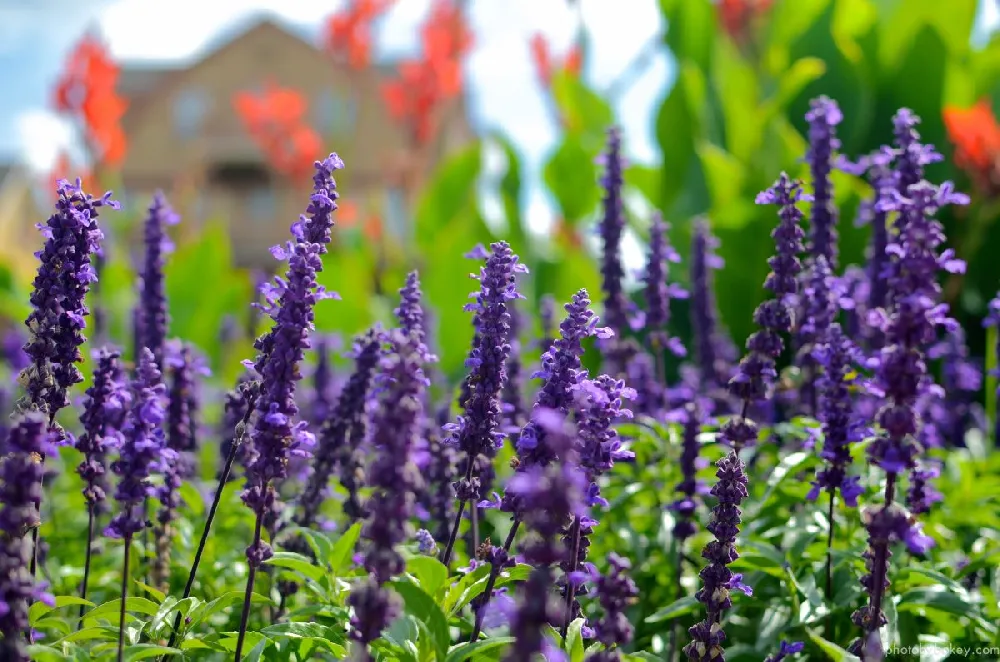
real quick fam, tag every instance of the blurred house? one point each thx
(185, 137)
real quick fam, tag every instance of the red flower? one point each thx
(86, 90)
(275, 119)
(737, 15)
(976, 136)
(424, 84)
(572, 63)
(347, 34)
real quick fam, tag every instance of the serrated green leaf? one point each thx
(343, 550)
(574, 640)
(423, 607)
(297, 562)
(430, 573)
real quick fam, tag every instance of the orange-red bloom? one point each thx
(86, 90)
(347, 34)
(737, 15)
(541, 55)
(424, 84)
(976, 136)
(275, 119)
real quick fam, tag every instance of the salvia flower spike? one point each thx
(659, 291)
(615, 591)
(152, 297)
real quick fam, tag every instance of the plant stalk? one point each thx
(245, 616)
(570, 585)
(829, 562)
(86, 562)
(121, 612)
(446, 554)
(491, 582)
(679, 586)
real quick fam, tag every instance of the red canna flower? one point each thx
(545, 68)
(87, 91)
(424, 84)
(976, 136)
(275, 119)
(736, 16)
(347, 34)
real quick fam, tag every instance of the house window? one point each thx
(334, 112)
(395, 211)
(262, 205)
(190, 109)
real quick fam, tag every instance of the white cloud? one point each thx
(43, 135)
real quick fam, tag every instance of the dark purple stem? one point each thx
(245, 616)
(492, 581)
(121, 612)
(86, 562)
(570, 586)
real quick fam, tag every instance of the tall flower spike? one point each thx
(615, 591)
(713, 372)
(612, 228)
(410, 313)
(477, 433)
(143, 451)
(395, 480)
(64, 276)
(552, 495)
(824, 115)
(340, 439)
(992, 321)
(106, 403)
(658, 290)
(153, 298)
(513, 398)
(818, 308)
(322, 378)
(20, 491)
(689, 487)
(314, 227)
(233, 412)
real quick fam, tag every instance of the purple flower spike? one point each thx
(689, 488)
(824, 115)
(65, 274)
(106, 403)
(615, 591)
(153, 298)
(396, 482)
(709, 351)
(20, 492)
(658, 290)
(786, 649)
(143, 451)
(314, 227)
(410, 313)
(612, 227)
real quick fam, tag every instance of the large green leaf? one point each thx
(691, 30)
(571, 176)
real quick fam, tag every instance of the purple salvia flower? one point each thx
(824, 115)
(785, 649)
(20, 492)
(340, 439)
(615, 591)
(153, 297)
(12, 348)
(612, 227)
(441, 473)
(551, 496)
(921, 494)
(547, 317)
(183, 367)
(104, 408)
(651, 393)
(322, 383)
(718, 580)
(512, 396)
(561, 369)
(837, 356)
(961, 381)
(411, 314)
(992, 320)
(659, 291)
(143, 451)
(314, 227)
(689, 487)
(885, 525)
(711, 364)
(234, 413)
(818, 307)
(425, 543)
(477, 433)
(396, 481)
(64, 277)
(911, 154)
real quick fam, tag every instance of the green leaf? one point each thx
(691, 30)
(582, 110)
(574, 640)
(110, 610)
(463, 652)
(340, 554)
(450, 192)
(39, 609)
(194, 501)
(41, 653)
(725, 176)
(852, 19)
(571, 176)
(431, 574)
(299, 630)
(799, 75)
(937, 598)
(832, 650)
(146, 651)
(681, 607)
(298, 563)
(465, 589)
(106, 632)
(208, 609)
(736, 89)
(423, 607)
(257, 652)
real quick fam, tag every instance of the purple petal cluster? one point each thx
(143, 451)
(64, 277)
(689, 487)
(718, 580)
(615, 591)
(837, 356)
(234, 412)
(340, 438)
(512, 396)
(183, 366)
(561, 369)
(104, 408)
(477, 433)
(818, 310)
(885, 525)
(411, 314)
(659, 291)
(551, 496)
(961, 381)
(322, 383)
(395, 480)
(20, 491)
(612, 227)
(314, 227)
(786, 649)
(152, 296)
(709, 354)
(824, 115)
